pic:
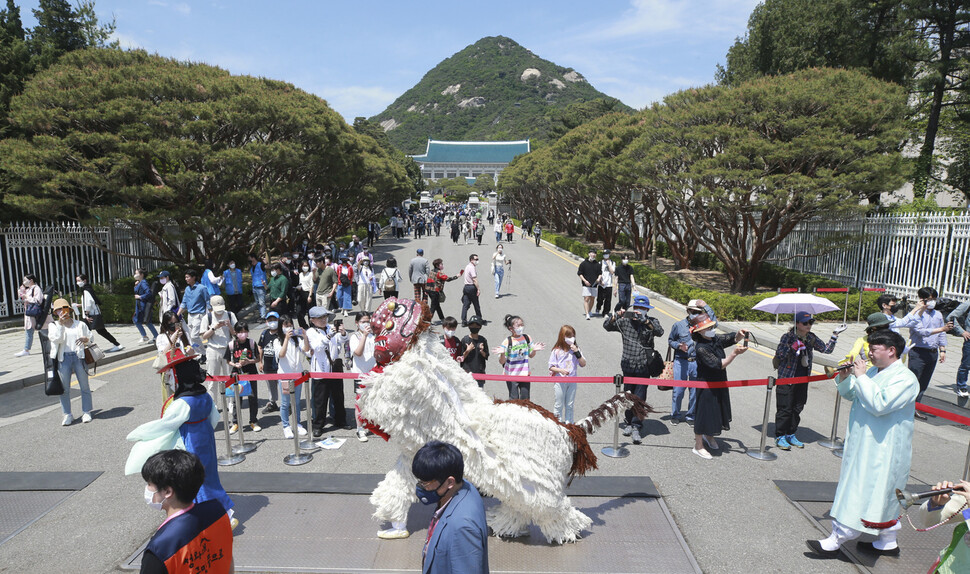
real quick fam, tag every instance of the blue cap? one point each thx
(272, 314)
(642, 301)
(420, 251)
(163, 274)
(804, 317)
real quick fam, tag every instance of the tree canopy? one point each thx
(231, 161)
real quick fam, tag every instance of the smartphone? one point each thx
(746, 337)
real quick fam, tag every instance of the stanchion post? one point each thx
(308, 394)
(762, 454)
(297, 458)
(243, 447)
(966, 465)
(231, 458)
(834, 442)
(616, 451)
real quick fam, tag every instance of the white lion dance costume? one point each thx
(514, 451)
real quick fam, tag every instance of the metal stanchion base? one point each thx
(831, 444)
(308, 445)
(762, 455)
(231, 460)
(620, 452)
(297, 459)
(244, 448)
(837, 452)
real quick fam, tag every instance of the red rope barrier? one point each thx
(943, 414)
(875, 289)
(832, 290)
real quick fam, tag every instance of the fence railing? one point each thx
(57, 252)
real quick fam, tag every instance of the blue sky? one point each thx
(361, 55)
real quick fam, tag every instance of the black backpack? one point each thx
(946, 305)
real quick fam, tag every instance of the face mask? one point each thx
(149, 495)
(708, 334)
(427, 496)
(26, 282)
(242, 336)
(305, 268)
(287, 330)
(273, 273)
(931, 304)
(893, 308)
(475, 330)
(519, 331)
(606, 257)
(449, 334)
(693, 315)
(500, 250)
(570, 340)
(592, 258)
(163, 280)
(80, 283)
(625, 261)
(272, 325)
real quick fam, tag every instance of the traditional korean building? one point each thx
(446, 160)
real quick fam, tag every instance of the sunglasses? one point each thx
(811, 322)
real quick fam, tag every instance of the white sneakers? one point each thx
(144, 340)
(233, 428)
(393, 534)
(23, 353)
(115, 349)
(963, 393)
(362, 437)
(287, 433)
(68, 419)
(301, 430)
(86, 418)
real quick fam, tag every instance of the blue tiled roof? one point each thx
(472, 152)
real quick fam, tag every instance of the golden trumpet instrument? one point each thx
(832, 371)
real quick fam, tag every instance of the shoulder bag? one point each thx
(53, 385)
(668, 372)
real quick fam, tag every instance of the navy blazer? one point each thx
(459, 544)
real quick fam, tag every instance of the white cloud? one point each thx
(646, 17)
(354, 101)
(127, 41)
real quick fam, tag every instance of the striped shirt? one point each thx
(517, 355)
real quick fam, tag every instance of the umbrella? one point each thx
(795, 302)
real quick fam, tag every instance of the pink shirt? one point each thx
(471, 272)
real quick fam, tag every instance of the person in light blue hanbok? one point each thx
(878, 449)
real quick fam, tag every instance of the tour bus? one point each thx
(425, 200)
(473, 201)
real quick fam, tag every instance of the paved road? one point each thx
(731, 514)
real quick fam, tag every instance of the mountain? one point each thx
(492, 90)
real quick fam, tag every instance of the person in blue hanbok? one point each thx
(187, 423)
(878, 449)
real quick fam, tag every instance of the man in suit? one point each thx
(418, 271)
(458, 535)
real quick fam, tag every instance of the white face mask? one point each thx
(592, 258)
(163, 280)
(232, 266)
(449, 334)
(708, 334)
(80, 283)
(606, 257)
(149, 495)
(519, 331)
(931, 304)
(570, 340)
(273, 273)
(272, 325)
(305, 268)
(625, 261)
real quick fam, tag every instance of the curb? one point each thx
(15, 385)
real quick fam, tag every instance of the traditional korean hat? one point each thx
(177, 356)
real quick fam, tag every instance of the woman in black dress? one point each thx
(713, 411)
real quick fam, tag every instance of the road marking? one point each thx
(116, 369)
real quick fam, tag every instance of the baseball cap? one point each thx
(475, 320)
(272, 315)
(163, 274)
(218, 303)
(804, 317)
(317, 311)
(420, 251)
(642, 301)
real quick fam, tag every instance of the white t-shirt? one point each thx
(607, 267)
(306, 281)
(365, 362)
(498, 259)
(292, 362)
(319, 347)
(220, 337)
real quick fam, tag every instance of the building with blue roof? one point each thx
(447, 160)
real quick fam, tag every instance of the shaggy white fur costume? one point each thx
(511, 452)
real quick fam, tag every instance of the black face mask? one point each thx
(894, 308)
(171, 326)
(475, 330)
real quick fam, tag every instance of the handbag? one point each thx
(53, 385)
(93, 353)
(33, 310)
(668, 372)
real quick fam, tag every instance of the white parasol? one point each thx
(791, 303)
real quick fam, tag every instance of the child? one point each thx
(514, 355)
(451, 342)
(241, 356)
(267, 358)
(475, 349)
(291, 347)
(564, 361)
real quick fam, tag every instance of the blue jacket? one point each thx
(142, 288)
(459, 543)
(259, 275)
(195, 299)
(680, 333)
(230, 279)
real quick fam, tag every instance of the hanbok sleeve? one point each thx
(899, 392)
(155, 436)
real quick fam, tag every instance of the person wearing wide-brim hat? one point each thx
(713, 409)
(68, 337)
(874, 322)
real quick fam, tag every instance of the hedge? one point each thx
(728, 306)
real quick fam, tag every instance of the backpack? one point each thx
(945, 305)
(389, 284)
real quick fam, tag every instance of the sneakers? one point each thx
(233, 523)
(144, 340)
(317, 433)
(115, 349)
(255, 427)
(702, 453)
(271, 407)
(674, 420)
(362, 435)
(636, 435)
(233, 428)
(86, 418)
(287, 433)
(68, 419)
(587, 316)
(795, 442)
(963, 393)
(782, 443)
(23, 353)
(626, 429)
(301, 430)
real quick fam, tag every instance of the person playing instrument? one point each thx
(878, 449)
(944, 508)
